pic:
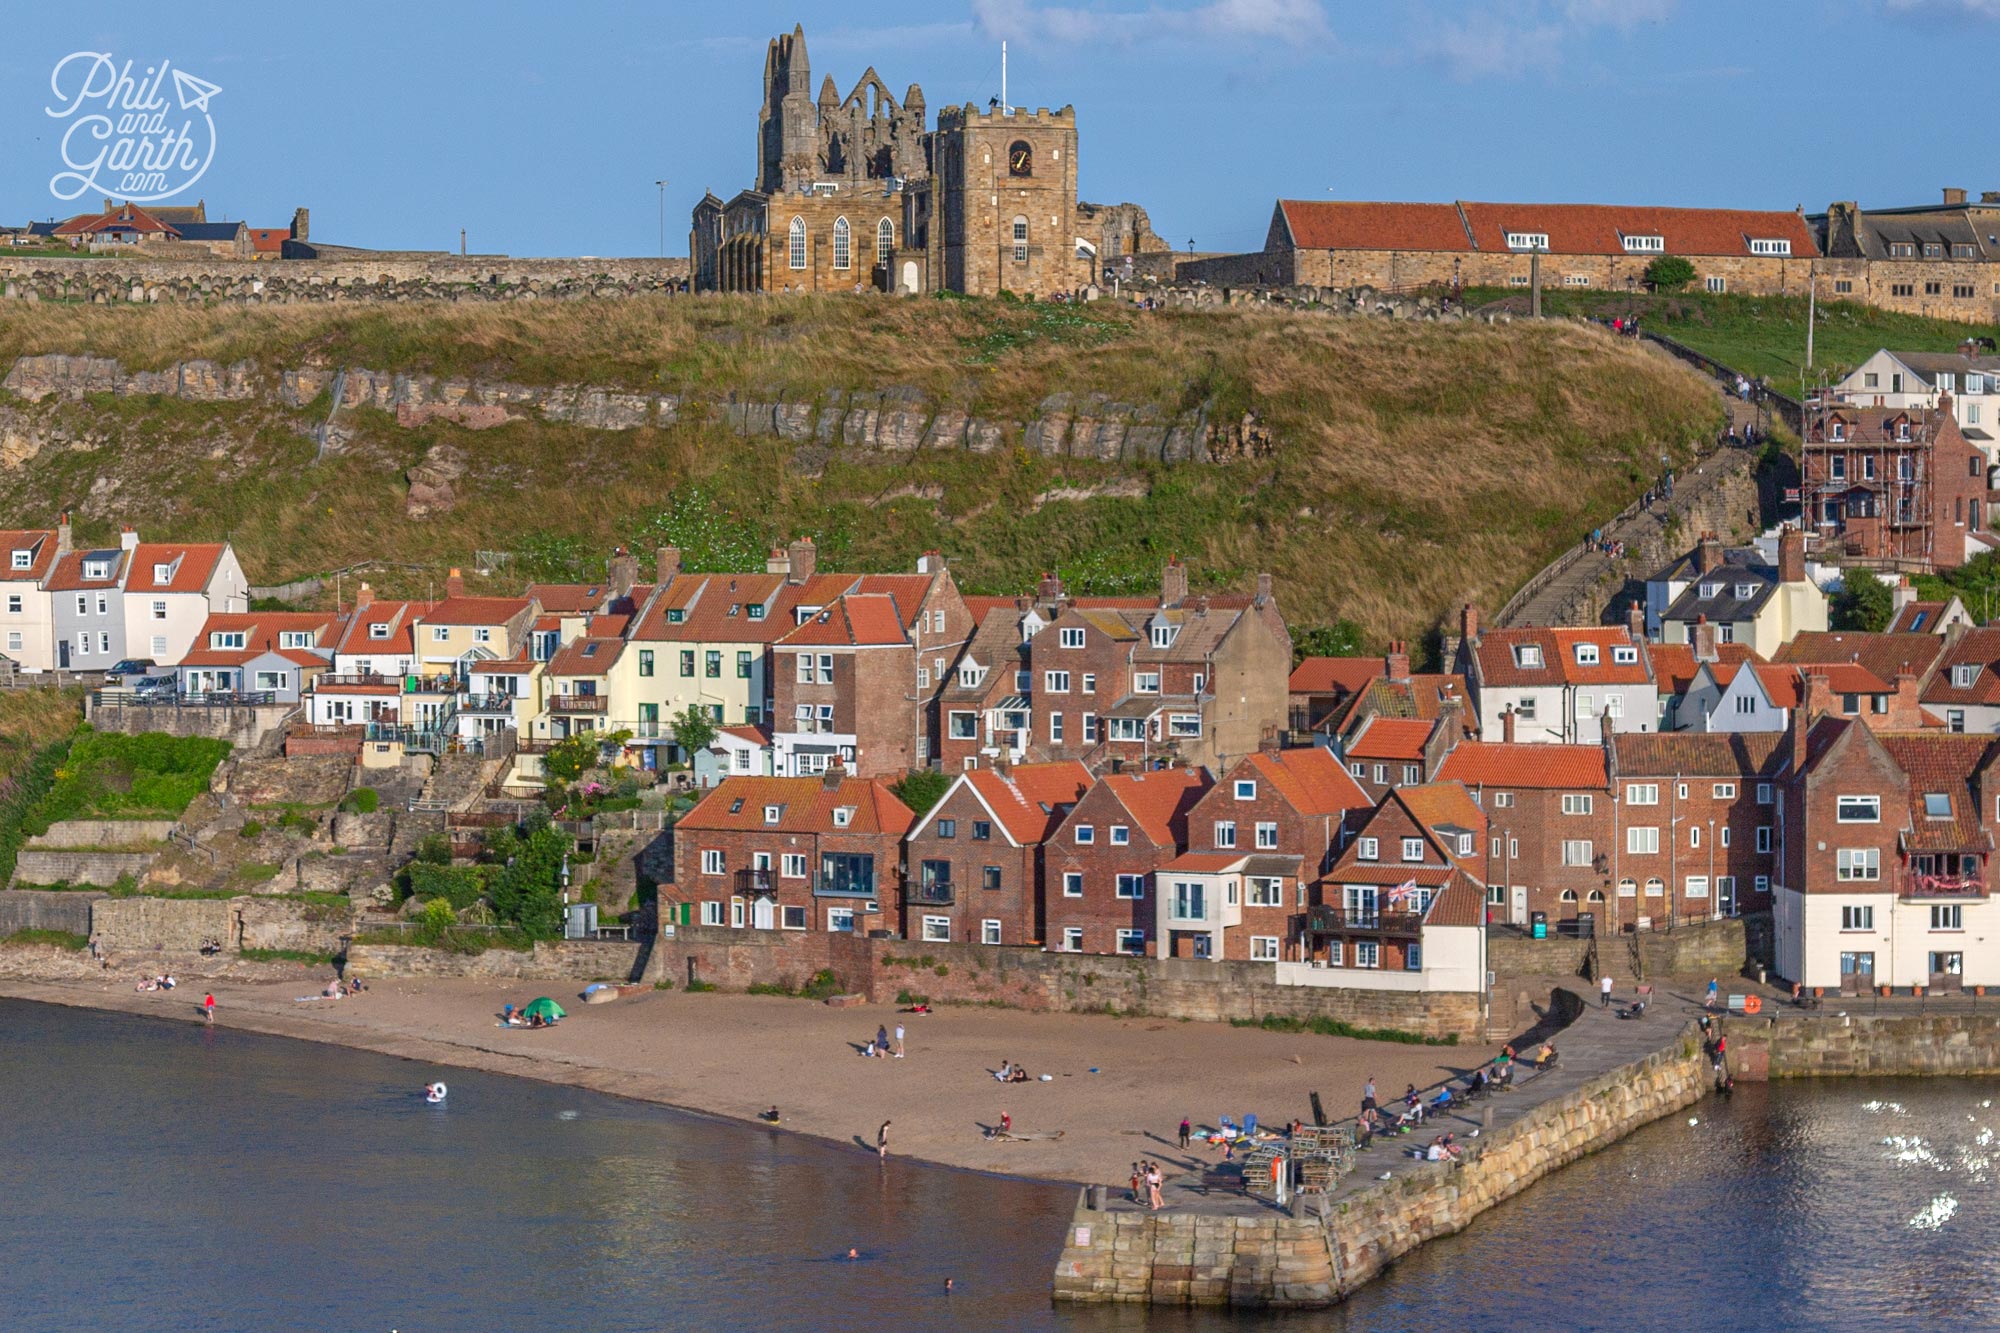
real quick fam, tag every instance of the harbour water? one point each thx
(158, 1175)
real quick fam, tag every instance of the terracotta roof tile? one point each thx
(1390, 738)
(1553, 767)
(1600, 229)
(1335, 675)
(1674, 665)
(1159, 801)
(860, 620)
(476, 610)
(1978, 649)
(1343, 224)
(1313, 780)
(68, 576)
(1882, 654)
(1942, 764)
(194, 564)
(586, 657)
(806, 806)
(260, 630)
(1031, 799)
(1701, 754)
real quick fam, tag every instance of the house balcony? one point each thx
(579, 703)
(331, 679)
(752, 882)
(937, 893)
(1324, 920)
(833, 886)
(488, 703)
(1912, 886)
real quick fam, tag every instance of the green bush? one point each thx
(61, 939)
(911, 997)
(109, 775)
(700, 987)
(362, 801)
(287, 956)
(1669, 273)
(251, 829)
(438, 915)
(822, 986)
(1333, 1027)
(459, 886)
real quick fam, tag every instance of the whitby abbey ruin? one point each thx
(858, 192)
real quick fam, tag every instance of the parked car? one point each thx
(131, 667)
(154, 689)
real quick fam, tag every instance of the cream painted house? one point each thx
(460, 631)
(27, 608)
(1918, 379)
(172, 588)
(1745, 598)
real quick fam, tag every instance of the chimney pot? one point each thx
(1507, 726)
(454, 583)
(363, 596)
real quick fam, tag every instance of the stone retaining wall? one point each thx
(1834, 1045)
(84, 833)
(35, 909)
(1281, 1262)
(354, 276)
(549, 960)
(103, 869)
(245, 727)
(172, 925)
(1182, 988)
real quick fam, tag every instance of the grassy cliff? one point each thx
(1411, 466)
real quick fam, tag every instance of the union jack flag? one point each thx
(1404, 892)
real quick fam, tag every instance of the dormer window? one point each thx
(26, 560)
(1586, 654)
(1465, 844)
(1625, 655)
(1710, 591)
(161, 573)
(96, 569)
(1745, 591)
(1527, 655)
(843, 815)
(1964, 676)
(1163, 634)
(1072, 637)
(226, 639)
(773, 813)
(295, 638)
(970, 675)
(1947, 382)
(1527, 240)
(378, 629)
(1645, 245)
(756, 610)
(1768, 246)
(1836, 430)
(1902, 428)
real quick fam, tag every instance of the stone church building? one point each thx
(856, 194)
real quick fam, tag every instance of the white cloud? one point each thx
(1060, 25)
(1979, 9)
(1535, 34)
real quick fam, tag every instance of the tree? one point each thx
(1340, 639)
(573, 756)
(694, 730)
(922, 789)
(1863, 602)
(527, 892)
(1669, 273)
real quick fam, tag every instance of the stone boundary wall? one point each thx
(549, 960)
(102, 869)
(358, 277)
(171, 925)
(890, 420)
(36, 909)
(1210, 991)
(89, 833)
(1834, 1045)
(245, 726)
(1280, 1263)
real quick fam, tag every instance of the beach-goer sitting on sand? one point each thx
(149, 983)
(769, 1117)
(1020, 1074)
(1005, 1071)
(167, 982)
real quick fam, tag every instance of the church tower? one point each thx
(788, 123)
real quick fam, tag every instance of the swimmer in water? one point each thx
(853, 1253)
(947, 1284)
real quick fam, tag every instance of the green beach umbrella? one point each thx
(544, 1008)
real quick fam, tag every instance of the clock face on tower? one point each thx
(1020, 159)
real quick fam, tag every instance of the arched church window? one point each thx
(885, 241)
(798, 239)
(843, 244)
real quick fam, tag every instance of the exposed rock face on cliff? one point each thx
(893, 420)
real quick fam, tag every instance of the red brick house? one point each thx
(1549, 810)
(983, 711)
(1419, 843)
(1321, 686)
(1894, 483)
(844, 686)
(810, 854)
(1255, 842)
(975, 861)
(1387, 752)
(1098, 890)
(1706, 805)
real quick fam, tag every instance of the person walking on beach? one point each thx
(1604, 991)
(1153, 1179)
(1187, 1132)
(1136, 1174)
(882, 1141)
(1368, 1094)
(899, 1041)
(881, 1040)
(208, 1007)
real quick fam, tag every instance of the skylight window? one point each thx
(1937, 805)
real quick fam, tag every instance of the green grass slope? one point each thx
(1415, 465)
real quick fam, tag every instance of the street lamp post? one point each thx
(663, 217)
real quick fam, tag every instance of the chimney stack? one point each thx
(1798, 724)
(1396, 666)
(1263, 590)
(63, 546)
(128, 537)
(666, 564)
(1817, 696)
(1792, 556)
(834, 775)
(804, 558)
(1468, 625)
(1050, 589)
(1707, 553)
(930, 562)
(1635, 622)
(1507, 726)
(1702, 637)
(1953, 195)
(1173, 582)
(454, 584)
(624, 571)
(364, 596)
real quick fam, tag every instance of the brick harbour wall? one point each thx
(1181, 1259)
(1204, 990)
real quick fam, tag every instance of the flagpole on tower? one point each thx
(1005, 109)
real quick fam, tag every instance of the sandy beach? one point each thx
(735, 1055)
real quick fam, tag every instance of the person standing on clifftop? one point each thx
(1604, 991)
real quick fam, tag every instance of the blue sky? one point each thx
(540, 128)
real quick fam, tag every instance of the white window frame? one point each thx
(1263, 948)
(989, 930)
(714, 861)
(936, 930)
(1642, 840)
